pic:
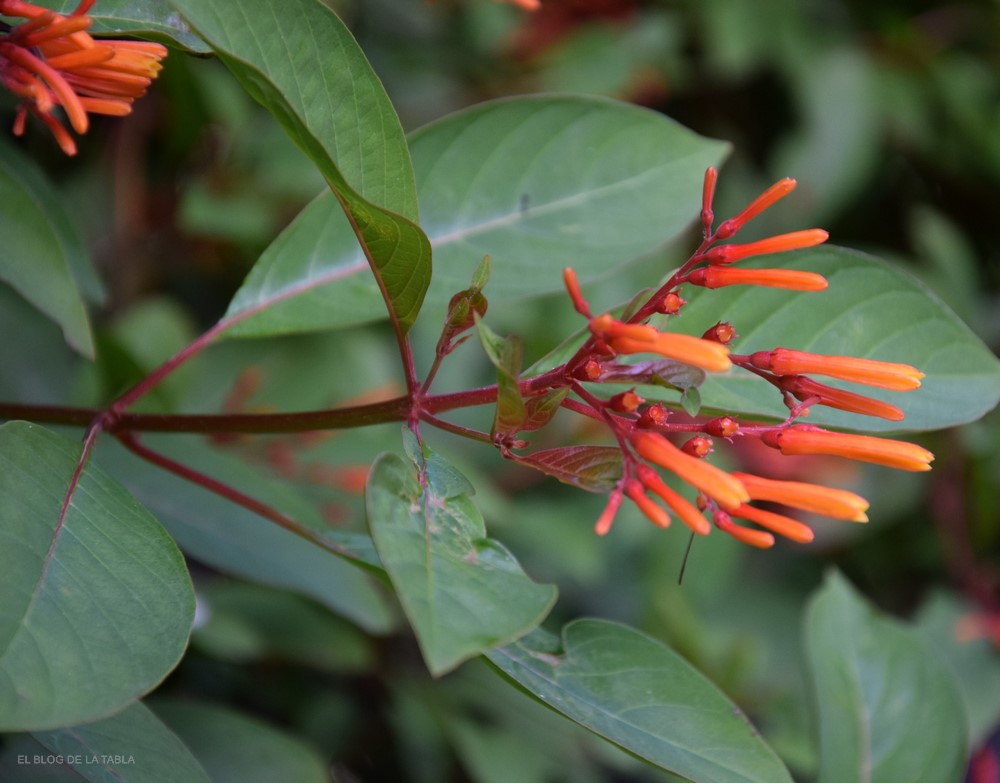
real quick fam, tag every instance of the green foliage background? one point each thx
(886, 113)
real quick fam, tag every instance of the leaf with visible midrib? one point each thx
(149, 18)
(889, 709)
(593, 468)
(94, 613)
(311, 75)
(132, 746)
(537, 183)
(462, 592)
(240, 543)
(871, 310)
(641, 695)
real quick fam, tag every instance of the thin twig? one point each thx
(132, 443)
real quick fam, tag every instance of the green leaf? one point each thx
(506, 354)
(312, 76)
(541, 408)
(95, 612)
(463, 593)
(593, 468)
(558, 181)
(871, 310)
(238, 542)
(945, 622)
(41, 250)
(146, 18)
(133, 746)
(553, 180)
(236, 749)
(888, 708)
(639, 694)
(691, 400)
(251, 623)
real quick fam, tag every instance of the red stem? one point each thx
(161, 372)
(131, 442)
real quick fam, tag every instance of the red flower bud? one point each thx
(590, 370)
(722, 332)
(653, 416)
(698, 447)
(626, 402)
(723, 427)
(670, 304)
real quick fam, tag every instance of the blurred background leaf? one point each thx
(176, 204)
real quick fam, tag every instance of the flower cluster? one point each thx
(50, 60)
(645, 432)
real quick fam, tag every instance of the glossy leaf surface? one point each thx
(870, 310)
(312, 76)
(889, 709)
(634, 691)
(536, 183)
(462, 592)
(95, 611)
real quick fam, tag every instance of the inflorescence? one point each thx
(645, 432)
(50, 61)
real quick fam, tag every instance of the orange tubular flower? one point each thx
(885, 375)
(806, 439)
(776, 523)
(51, 60)
(791, 279)
(685, 510)
(757, 538)
(805, 388)
(725, 490)
(573, 289)
(654, 513)
(642, 338)
(796, 240)
(765, 200)
(836, 503)
(603, 524)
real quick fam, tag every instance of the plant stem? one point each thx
(396, 409)
(457, 429)
(161, 372)
(131, 442)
